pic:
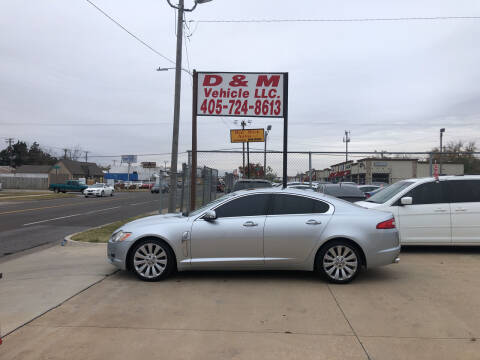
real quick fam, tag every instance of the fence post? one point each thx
(182, 195)
(430, 161)
(310, 168)
(160, 190)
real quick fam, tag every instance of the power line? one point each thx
(130, 33)
(415, 18)
(84, 124)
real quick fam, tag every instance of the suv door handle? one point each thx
(440, 210)
(313, 222)
(250, 223)
(461, 209)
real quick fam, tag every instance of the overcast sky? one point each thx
(69, 76)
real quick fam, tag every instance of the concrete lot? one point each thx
(426, 307)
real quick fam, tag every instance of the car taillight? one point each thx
(367, 195)
(389, 224)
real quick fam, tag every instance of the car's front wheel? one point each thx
(339, 262)
(151, 260)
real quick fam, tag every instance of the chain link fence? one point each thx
(359, 167)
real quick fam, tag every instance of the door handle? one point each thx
(250, 223)
(460, 209)
(313, 222)
(440, 210)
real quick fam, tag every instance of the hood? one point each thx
(155, 220)
(368, 205)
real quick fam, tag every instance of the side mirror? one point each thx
(406, 200)
(210, 215)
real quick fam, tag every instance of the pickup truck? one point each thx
(69, 185)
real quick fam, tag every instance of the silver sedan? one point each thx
(260, 229)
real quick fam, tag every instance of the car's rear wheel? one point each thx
(111, 194)
(151, 260)
(339, 262)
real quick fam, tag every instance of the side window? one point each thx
(464, 191)
(293, 204)
(428, 193)
(250, 205)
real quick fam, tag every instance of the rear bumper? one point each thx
(384, 257)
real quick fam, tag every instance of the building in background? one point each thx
(75, 170)
(146, 171)
(385, 170)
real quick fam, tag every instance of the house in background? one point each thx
(74, 170)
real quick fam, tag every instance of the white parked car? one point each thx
(99, 190)
(433, 212)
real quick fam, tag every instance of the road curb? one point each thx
(68, 239)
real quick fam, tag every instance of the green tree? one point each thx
(20, 154)
(461, 153)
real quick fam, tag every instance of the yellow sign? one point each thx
(247, 135)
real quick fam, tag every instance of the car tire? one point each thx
(338, 262)
(111, 194)
(56, 190)
(102, 194)
(159, 264)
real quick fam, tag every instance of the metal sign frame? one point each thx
(195, 114)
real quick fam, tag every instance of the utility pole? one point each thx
(346, 140)
(65, 153)
(86, 156)
(172, 195)
(10, 141)
(269, 127)
(243, 123)
(176, 111)
(442, 130)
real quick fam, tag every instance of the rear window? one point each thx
(343, 191)
(241, 185)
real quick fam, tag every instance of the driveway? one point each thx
(426, 307)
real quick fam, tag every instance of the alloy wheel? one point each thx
(150, 260)
(340, 263)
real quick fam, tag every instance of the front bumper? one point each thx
(117, 253)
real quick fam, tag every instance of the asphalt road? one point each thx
(25, 225)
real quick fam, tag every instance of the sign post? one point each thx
(239, 94)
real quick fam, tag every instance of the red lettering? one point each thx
(263, 80)
(238, 80)
(272, 93)
(215, 93)
(207, 92)
(212, 80)
(245, 94)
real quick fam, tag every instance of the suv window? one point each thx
(428, 193)
(250, 205)
(464, 190)
(293, 204)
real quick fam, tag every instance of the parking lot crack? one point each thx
(348, 322)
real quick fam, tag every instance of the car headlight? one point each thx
(120, 236)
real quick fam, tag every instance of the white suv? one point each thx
(433, 212)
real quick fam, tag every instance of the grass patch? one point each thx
(102, 234)
(25, 196)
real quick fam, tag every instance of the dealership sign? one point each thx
(247, 135)
(240, 94)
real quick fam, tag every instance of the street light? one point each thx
(442, 130)
(269, 127)
(172, 195)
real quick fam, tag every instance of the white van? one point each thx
(433, 212)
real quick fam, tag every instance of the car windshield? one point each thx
(210, 204)
(96, 186)
(389, 192)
